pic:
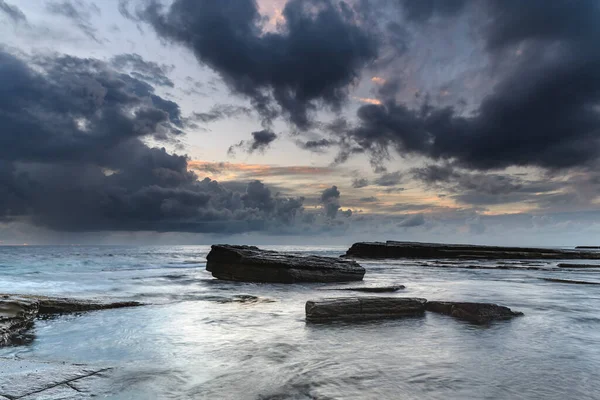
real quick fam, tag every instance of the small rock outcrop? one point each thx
(369, 289)
(251, 264)
(569, 265)
(479, 313)
(363, 308)
(18, 312)
(416, 250)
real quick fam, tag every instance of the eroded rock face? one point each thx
(391, 249)
(16, 316)
(363, 308)
(251, 264)
(473, 312)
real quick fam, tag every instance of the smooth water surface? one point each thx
(199, 338)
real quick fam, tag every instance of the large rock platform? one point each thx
(251, 264)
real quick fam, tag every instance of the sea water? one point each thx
(203, 338)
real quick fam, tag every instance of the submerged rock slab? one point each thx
(29, 379)
(363, 308)
(251, 264)
(392, 249)
(16, 316)
(473, 312)
(370, 289)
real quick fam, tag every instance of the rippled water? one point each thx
(200, 339)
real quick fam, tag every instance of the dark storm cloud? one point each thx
(73, 157)
(389, 179)
(542, 110)
(316, 145)
(13, 12)
(148, 71)
(261, 140)
(330, 200)
(308, 63)
(222, 111)
(79, 12)
(358, 183)
(422, 10)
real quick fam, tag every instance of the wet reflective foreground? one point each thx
(203, 338)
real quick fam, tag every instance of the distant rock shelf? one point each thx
(251, 264)
(369, 308)
(416, 250)
(575, 282)
(588, 247)
(18, 312)
(568, 265)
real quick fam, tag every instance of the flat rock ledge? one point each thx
(367, 308)
(251, 264)
(363, 308)
(416, 250)
(18, 312)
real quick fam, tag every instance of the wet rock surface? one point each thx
(392, 249)
(28, 379)
(473, 312)
(363, 308)
(251, 264)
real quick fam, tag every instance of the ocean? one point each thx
(200, 338)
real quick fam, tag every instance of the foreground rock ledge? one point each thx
(251, 264)
(479, 313)
(18, 312)
(391, 249)
(363, 308)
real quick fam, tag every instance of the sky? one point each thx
(299, 121)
